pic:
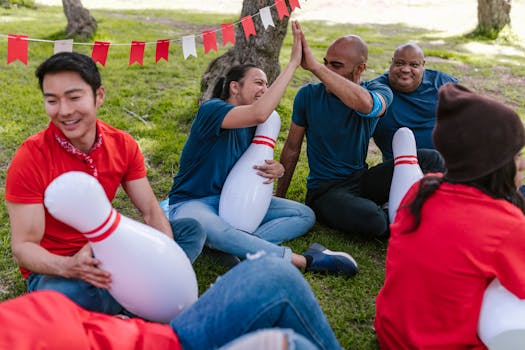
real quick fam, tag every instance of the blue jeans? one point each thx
(256, 340)
(285, 220)
(256, 294)
(187, 233)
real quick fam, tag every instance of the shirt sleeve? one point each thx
(24, 182)
(299, 108)
(209, 118)
(509, 261)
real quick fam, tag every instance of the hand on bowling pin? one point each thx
(84, 266)
(271, 170)
(148, 273)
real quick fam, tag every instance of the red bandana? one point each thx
(70, 148)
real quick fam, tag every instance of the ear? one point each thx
(234, 88)
(424, 63)
(361, 68)
(100, 95)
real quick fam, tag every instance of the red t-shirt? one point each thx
(437, 274)
(49, 320)
(40, 159)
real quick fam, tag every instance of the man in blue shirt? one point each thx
(415, 92)
(338, 116)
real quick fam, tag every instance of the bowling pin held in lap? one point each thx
(151, 275)
(245, 197)
(406, 168)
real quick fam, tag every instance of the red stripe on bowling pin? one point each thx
(405, 160)
(264, 140)
(105, 229)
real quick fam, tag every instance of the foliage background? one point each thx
(165, 95)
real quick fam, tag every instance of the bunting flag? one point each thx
(266, 17)
(282, 11)
(17, 47)
(162, 50)
(294, 4)
(228, 34)
(100, 52)
(136, 53)
(248, 26)
(188, 46)
(210, 40)
(63, 46)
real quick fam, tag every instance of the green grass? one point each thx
(167, 93)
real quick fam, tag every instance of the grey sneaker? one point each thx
(321, 259)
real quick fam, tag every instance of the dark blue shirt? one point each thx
(209, 153)
(416, 110)
(337, 137)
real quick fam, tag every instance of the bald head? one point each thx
(354, 45)
(347, 57)
(409, 47)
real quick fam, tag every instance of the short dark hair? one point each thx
(70, 62)
(236, 73)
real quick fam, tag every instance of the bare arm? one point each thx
(142, 196)
(27, 229)
(257, 112)
(350, 93)
(289, 157)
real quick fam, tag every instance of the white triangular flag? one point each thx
(188, 46)
(266, 17)
(63, 46)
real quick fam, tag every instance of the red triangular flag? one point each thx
(247, 25)
(228, 34)
(17, 48)
(210, 40)
(280, 5)
(136, 53)
(100, 52)
(162, 50)
(294, 4)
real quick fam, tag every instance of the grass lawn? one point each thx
(166, 95)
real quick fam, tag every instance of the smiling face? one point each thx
(249, 89)
(407, 68)
(72, 107)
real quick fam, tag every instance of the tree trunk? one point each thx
(80, 23)
(262, 49)
(493, 15)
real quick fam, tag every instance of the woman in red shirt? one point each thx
(455, 232)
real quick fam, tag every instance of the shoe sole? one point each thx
(348, 256)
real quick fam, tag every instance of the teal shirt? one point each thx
(209, 153)
(337, 137)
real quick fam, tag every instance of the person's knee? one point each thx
(274, 272)
(430, 161)
(188, 228)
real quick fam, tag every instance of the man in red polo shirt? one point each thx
(51, 254)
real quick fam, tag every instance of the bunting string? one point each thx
(17, 44)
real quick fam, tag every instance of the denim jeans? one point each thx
(258, 340)
(256, 294)
(354, 205)
(187, 233)
(284, 221)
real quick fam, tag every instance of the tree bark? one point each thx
(262, 49)
(493, 15)
(80, 23)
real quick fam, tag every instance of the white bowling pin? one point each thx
(406, 168)
(245, 198)
(502, 319)
(151, 275)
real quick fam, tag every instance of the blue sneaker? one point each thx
(321, 259)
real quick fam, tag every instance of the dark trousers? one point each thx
(355, 205)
